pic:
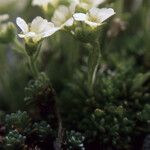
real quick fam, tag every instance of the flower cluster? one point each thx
(93, 16)
(63, 16)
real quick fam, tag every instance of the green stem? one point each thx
(33, 60)
(93, 64)
(37, 52)
(33, 66)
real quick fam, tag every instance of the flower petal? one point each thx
(50, 32)
(22, 25)
(40, 25)
(92, 24)
(30, 34)
(21, 35)
(27, 35)
(80, 16)
(104, 13)
(61, 15)
(69, 22)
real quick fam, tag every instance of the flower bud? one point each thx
(7, 32)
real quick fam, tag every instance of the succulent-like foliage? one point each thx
(14, 140)
(41, 99)
(19, 120)
(74, 140)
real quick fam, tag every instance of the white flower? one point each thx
(44, 3)
(95, 16)
(37, 30)
(63, 15)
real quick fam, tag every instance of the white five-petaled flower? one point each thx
(95, 16)
(44, 3)
(63, 16)
(37, 30)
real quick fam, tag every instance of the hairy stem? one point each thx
(93, 64)
(33, 66)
